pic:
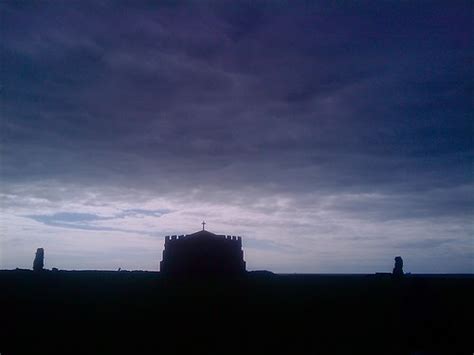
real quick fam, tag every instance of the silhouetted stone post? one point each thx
(398, 269)
(39, 260)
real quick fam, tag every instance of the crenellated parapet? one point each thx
(232, 239)
(202, 252)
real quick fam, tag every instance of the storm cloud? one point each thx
(332, 136)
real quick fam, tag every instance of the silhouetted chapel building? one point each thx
(203, 253)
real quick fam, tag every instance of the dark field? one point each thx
(141, 312)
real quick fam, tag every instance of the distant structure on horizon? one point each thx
(38, 263)
(398, 268)
(203, 253)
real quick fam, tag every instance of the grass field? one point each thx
(99, 312)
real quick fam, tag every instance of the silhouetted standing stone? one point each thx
(398, 269)
(39, 260)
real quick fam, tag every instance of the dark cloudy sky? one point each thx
(332, 136)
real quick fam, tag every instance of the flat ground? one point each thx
(141, 312)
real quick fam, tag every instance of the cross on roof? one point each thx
(203, 224)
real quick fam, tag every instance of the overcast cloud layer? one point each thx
(332, 137)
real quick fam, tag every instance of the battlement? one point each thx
(202, 252)
(228, 238)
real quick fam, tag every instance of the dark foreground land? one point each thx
(142, 312)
